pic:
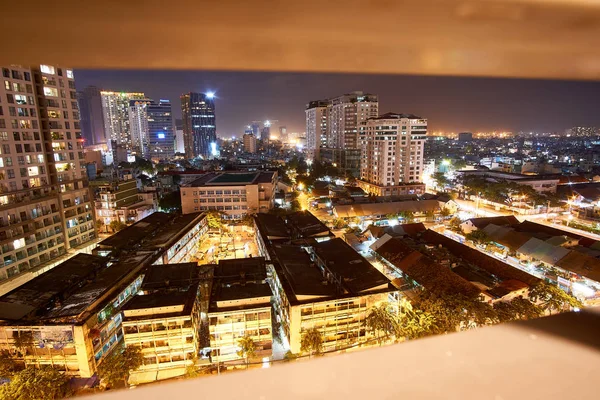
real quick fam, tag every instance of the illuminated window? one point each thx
(47, 69)
(161, 135)
(20, 99)
(69, 74)
(48, 91)
(33, 171)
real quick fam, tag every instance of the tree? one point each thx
(8, 366)
(440, 180)
(23, 340)
(295, 206)
(478, 237)
(214, 219)
(289, 356)
(117, 366)
(100, 224)
(43, 383)
(312, 342)
(454, 224)
(381, 322)
(552, 298)
(407, 216)
(414, 323)
(170, 202)
(445, 212)
(247, 348)
(339, 223)
(117, 225)
(525, 309)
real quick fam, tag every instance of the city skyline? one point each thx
(493, 104)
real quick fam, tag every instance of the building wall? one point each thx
(138, 122)
(398, 190)
(228, 327)
(45, 206)
(161, 140)
(115, 106)
(199, 125)
(249, 143)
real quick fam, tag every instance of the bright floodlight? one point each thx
(267, 123)
(210, 95)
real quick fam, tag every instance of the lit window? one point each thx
(161, 135)
(69, 74)
(48, 91)
(47, 69)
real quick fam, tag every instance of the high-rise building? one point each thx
(392, 154)
(115, 107)
(316, 125)
(249, 143)
(161, 140)
(283, 133)
(138, 125)
(92, 117)
(45, 202)
(265, 132)
(332, 127)
(255, 126)
(199, 125)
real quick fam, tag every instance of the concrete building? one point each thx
(92, 117)
(240, 305)
(327, 286)
(465, 137)
(138, 123)
(164, 321)
(122, 201)
(199, 125)
(115, 106)
(541, 183)
(392, 153)
(234, 193)
(45, 202)
(249, 143)
(317, 115)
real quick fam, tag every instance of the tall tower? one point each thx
(199, 126)
(346, 112)
(161, 139)
(316, 125)
(138, 125)
(45, 202)
(92, 117)
(115, 106)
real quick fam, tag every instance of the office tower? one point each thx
(249, 143)
(115, 107)
(392, 153)
(265, 132)
(45, 203)
(161, 140)
(283, 133)
(138, 125)
(316, 125)
(199, 126)
(256, 128)
(92, 117)
(248, 130)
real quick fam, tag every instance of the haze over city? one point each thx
(451, 104)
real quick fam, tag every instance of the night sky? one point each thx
(450, 104)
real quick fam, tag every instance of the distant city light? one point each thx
(213, 149)
(210, 95)
(161, 135)
(267, 123)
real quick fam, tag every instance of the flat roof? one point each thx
(301, 274)
(40, 292)
(272, 226)
(307, 224)
(355, 272)
(170, 276)
(232, 178)
(368, 209)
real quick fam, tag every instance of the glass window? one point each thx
(48, 91)
(47, 69)
(69, 74)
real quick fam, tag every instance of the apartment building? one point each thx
(317, 115)
(240, 306)
(45, 202)
(117, 126)
(234, 193)
(327, 286)
(392, 151)
(249, 143)
(122, 201)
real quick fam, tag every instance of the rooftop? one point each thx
(368, 209)
(272, 226)
(352, 270)
(232, 178)
(391, 115)
(170, 276)
(307, 225)
(482, 222)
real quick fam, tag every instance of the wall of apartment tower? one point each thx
(45, 202)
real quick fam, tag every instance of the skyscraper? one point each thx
(256, 128)
(92, 117)
(161, 140)
(138, 125)
(115, 106)
(45, 203)
(392, 153)
(316, 125)
(199, 126)
(249, 143)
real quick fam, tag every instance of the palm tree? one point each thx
(247, 348)
(414, 323)
(552, 298)
(312, 341)
(382, 322)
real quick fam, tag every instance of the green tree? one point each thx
(454, 224)
(478, 237)
(505, 311)
(407, 216)
(525, 309)
(170, 202)
(445, 212)
(247, 348)
(23, 340)
(214, 219)
(339, 223)
(117, 225)
(440, 180)
(8, 366)
(295, 206)
(312, 342)
(550, 297)
(117, 366)
(100, 224)
(44, 383)
(413, 323)
(381, 322)
(289, 356)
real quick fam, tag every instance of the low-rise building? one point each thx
(541, 183)
(122, 201)
(327, 286)
(240, 306)
(234, 193)
(164, 321)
